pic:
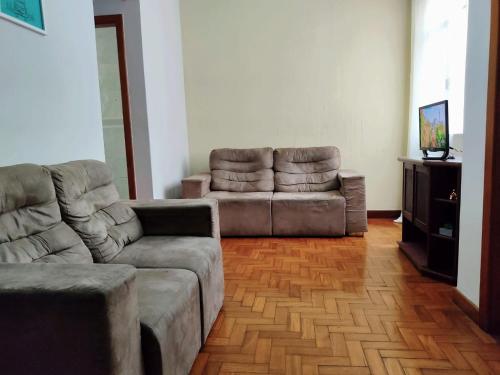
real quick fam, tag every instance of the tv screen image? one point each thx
(434, 126)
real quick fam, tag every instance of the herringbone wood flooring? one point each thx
(339, 306)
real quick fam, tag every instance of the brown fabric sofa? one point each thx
(282, 192)
(146, 309)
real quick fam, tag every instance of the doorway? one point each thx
(489, 303)
(115, 106)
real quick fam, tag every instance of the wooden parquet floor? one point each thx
(339, 306)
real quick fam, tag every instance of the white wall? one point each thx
(49, 91)
(137, 88)
(163, 70)
(301, 73)
(471, 213)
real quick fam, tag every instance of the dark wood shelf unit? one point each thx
(426, 207)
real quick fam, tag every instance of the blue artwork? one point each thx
(25, 12)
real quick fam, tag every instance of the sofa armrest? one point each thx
(179, 217)
(69, 319)
(352, 187)
(196, 186)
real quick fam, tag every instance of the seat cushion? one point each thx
(244, 214)
(169, 309)
(308, 214)
(31, 229)
(242, 170)
(201, 255)
(90, 204)
(306, 169)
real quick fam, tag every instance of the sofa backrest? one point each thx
(31, 229)
(306, 169)
(242, 170)
(90, 204)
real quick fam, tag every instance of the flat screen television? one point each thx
(434, 130)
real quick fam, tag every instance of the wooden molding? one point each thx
(465, 304)
(383, 214)
(489, 302)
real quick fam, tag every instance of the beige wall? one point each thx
(301, 73)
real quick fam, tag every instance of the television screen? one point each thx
(434, 126)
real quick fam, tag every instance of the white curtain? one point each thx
(439, 41)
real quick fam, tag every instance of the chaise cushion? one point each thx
(201, 255)
(242, 170)
(244, 214)
(90, 204)
(169, 309)
(306, 169)
(309, 214)
(31, 229)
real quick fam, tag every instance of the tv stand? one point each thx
(449, 157)
(446, 156)
(427, 207)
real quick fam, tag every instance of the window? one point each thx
(439, 42)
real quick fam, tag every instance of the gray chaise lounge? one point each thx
(62, 314)
(285, 192)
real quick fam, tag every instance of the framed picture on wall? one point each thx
(26, 13)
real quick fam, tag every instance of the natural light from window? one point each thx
(439, 42)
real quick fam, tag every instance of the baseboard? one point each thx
(471, 310)
(383, 214)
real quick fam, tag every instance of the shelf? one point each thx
(444, 200)
(443, 276)
(426, 191)
(440, 236)
(416, 252)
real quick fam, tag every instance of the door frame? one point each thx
(116, 20)
(489, 303)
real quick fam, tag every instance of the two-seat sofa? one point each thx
(282, 192)
(93, 285)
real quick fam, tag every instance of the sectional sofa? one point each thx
(282, 192)
(90, 284)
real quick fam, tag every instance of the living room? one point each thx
(252, 176)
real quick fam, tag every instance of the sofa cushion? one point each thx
(244, 214)
(242, 170)
(306, 169)
(90, 204)
(31, 229)
(308, 214)
(201, 255)
(169, 310)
